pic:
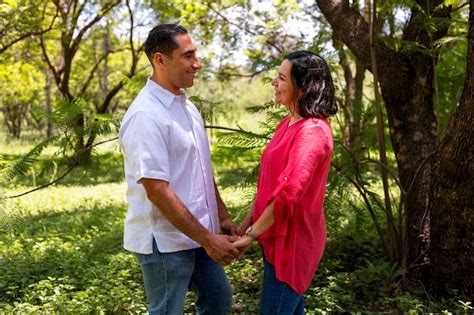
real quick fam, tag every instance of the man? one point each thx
(174, 209)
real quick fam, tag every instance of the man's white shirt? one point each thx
(162, 136)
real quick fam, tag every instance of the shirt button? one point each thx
(286, 178)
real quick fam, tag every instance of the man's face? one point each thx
(181, 68)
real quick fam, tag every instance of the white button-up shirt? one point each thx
(162, 136)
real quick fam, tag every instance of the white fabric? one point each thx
(162, 136)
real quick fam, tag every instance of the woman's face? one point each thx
(284, 90)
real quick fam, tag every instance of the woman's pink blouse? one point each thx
(293, 172)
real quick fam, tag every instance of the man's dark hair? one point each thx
(162, 39)
(311, 75)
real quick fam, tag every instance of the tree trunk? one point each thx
(49, 106)
(406, 84)
(452, 195)
(352, 104)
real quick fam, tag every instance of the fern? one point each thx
(8, 219)
(65, 113)
(21, 166)
(242, 140)
(261, 108)
(102, 124)
(252, 177)
(209, 110)
(251, 141)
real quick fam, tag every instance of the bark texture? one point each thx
(406, 85)
(452, 195)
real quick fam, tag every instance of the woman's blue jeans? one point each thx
(168, 276)
(278, 298)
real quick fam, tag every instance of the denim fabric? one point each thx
(278, 298)
(168, 276)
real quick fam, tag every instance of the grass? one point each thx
(62, 252)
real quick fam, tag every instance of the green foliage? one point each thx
(209, 110)
(19, 17)
(20, 83)
(69, 257)
(8, 173)
(230, 100)
(64, 254)
(60, 249)
(253, 143)
(21, 166)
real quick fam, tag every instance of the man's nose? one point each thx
(197, 64)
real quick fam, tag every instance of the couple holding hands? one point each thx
(175, 211)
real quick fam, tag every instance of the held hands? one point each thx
(225, 248)
(243, 244)
(221, 248)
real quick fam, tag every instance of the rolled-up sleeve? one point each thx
(310, 148)
(144, 142)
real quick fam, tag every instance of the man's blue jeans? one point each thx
(168, 276)
(278, 298)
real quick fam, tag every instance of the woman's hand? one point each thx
(243, 244)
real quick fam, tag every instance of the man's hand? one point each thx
(228, 227)
(221, 249)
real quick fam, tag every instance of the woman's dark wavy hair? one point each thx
(311, 75)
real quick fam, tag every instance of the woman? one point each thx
(287, 213)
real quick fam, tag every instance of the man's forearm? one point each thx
(218, 247)
(176, 212)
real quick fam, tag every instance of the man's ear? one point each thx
(158, 58)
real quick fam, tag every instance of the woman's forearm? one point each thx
(264, 221)
(247, 220)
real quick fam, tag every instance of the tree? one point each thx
(65, 50)
(406, 78)
(452, 194)
(21, 86)
(20, 20)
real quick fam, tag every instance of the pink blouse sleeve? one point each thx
(310, 148)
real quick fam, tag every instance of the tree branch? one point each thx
(234, 130)
(235, 74)
(350, 26)
(270, 43)
(106, 9)
(69, 170)
(30, 34)
(133, 67)
(56, 75)
(94, 68)
(460, 6)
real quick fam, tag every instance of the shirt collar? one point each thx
(164, 96)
